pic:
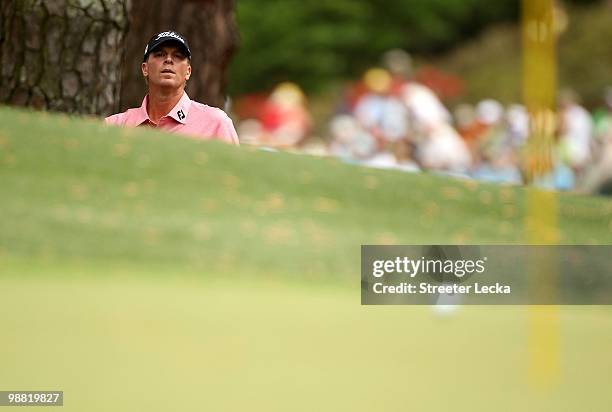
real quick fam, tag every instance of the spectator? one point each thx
(285, 119)
(378, 112)
(575, 130)
(349, 140)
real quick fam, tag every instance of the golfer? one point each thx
(166, 67)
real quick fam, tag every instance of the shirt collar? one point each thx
(179, 112)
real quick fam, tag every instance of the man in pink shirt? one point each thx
(166, 68)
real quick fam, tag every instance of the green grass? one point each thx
(143, 271)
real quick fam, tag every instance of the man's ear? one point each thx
(145, 69)
(188, 72)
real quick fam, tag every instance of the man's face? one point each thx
(167, 67)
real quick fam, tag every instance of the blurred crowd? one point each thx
(391, 120)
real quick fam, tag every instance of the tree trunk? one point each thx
(210, 29)
(62, 55)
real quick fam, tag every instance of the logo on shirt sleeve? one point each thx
(180, 115)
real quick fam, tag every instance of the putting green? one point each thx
(129, 343)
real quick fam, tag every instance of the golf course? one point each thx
(142, 271)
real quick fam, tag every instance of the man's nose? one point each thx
(168, 58)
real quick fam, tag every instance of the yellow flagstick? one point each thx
(539, 94)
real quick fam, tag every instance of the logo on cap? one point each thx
(169, 34)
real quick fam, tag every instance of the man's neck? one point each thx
(160, 103)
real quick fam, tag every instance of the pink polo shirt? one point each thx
(187, 117)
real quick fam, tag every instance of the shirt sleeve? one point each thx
(225, 130)
(115, 119)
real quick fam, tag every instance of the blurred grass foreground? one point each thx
(146, 272)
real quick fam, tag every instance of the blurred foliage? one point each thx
(317, 43)
(585, 53)
(313, 43)
(491, 63)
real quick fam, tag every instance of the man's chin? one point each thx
(167, 84)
